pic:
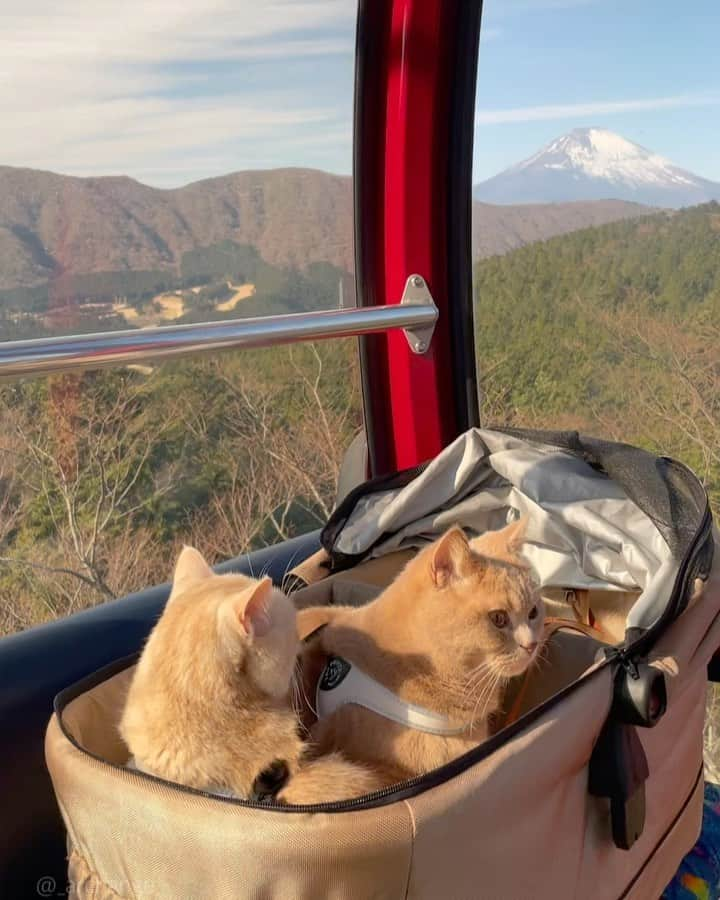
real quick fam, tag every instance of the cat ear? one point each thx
(189, 569)
(513, 535)
(450, 556)
(253, 612)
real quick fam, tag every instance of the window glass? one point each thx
(173, 162)
(596, 228)
(597, 224)
(104, 476)
(168, 163)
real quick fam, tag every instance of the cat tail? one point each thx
(328, 779)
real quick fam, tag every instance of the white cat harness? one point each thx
(341, 683)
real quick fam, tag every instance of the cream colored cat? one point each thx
(446, 635)
(209, 702)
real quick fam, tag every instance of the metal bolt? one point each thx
(417, 281)
(421, 346)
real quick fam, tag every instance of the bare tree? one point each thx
(674, 369)
(10, 509)
(238, 517)
(312, 450)
(288, 465)
(134, 557)
(84, 461)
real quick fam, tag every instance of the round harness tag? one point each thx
(333, 673)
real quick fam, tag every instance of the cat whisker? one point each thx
(455, 689)
(480, 671)
(489, 679)
(289, 566)
(473, 683)
(484, 698)
(543, 655)
(493, 666)
(252, 574)
(297, 692)
(302, 694)
(483, 664)
(479, 683)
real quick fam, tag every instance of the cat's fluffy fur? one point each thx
(436, 638)
(209, 702)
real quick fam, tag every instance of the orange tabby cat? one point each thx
(446, 636)
(209, 704)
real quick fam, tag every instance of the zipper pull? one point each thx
(639, 691)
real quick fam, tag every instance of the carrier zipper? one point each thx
(401, 791)
(639, 692)
(644, 641)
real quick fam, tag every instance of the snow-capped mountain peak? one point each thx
(599, 153)
(594, 163)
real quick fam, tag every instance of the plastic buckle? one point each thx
(640, 693)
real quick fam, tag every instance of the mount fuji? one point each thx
(595, 164)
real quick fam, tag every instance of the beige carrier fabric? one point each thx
(372, 573)
(142, 838)
(517, 825)
(352, 587)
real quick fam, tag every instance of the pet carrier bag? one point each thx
(592, 788)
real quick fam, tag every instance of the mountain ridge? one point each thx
(594, 164)
(113, 223)
(56, 226)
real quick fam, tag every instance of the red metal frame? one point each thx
(407, 72)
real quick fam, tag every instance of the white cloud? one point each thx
(133, 86)
(579, 111)
(109, 31)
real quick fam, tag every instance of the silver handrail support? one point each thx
(416, 315)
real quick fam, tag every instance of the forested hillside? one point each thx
(225, 281)
(613, 329)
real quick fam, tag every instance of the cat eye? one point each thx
(499, 618)
(533, 613)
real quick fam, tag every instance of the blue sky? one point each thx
(171, 91)
(647, 69)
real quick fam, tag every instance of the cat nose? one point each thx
(530, 648)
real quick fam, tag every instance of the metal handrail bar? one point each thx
(45, 356)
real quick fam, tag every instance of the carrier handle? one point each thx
(618, 771)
